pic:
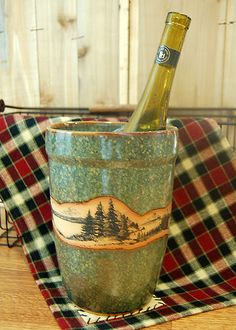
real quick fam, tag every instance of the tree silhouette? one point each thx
(124, 229)
(88, 230)
(113, 223)
(165, 221)
(134, 225)
(100, 220)
(139, 236)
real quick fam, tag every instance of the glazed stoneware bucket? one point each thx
(111, 196)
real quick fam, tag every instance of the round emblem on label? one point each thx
(163, 54)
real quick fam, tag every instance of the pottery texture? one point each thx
(111, 198)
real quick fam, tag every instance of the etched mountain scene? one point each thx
(107, 222)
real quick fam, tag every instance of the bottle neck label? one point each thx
(167, 56)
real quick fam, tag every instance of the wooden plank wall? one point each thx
(85, 52)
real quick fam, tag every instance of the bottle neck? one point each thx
(173, 36)
(170, 46)
(151, 112)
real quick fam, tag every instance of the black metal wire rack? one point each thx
(226, 119)
(8, 236)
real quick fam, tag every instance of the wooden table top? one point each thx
(23, 307)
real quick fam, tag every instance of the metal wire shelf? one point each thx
(8, 236)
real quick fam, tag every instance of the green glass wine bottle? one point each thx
(151, 111)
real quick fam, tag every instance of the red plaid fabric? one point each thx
(199, 269)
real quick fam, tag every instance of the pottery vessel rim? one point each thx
(62, 127)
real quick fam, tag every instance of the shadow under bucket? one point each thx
(111, 196)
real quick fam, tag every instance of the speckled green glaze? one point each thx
(89, 160)
(111, 281)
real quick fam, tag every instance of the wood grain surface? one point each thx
(86, 52)
(22, 306)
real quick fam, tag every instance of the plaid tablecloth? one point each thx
(199, 269)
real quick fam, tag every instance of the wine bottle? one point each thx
(151, 111)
